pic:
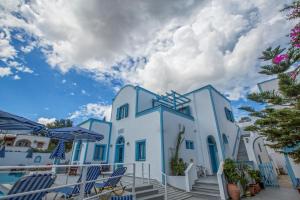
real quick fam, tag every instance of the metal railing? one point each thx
(48, 169)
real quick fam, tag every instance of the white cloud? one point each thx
(187, 44)
(98, 110)
(63, 81)
(16, 77)
(83, 91)
(45, 120)
(5, 71)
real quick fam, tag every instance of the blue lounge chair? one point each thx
(92, 174)
(127, 197)
(112, 181)
(31, 183)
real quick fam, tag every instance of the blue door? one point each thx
(213, 153)
(119, 151)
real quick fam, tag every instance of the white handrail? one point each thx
(222, 182)
(190, 176)
(165, 186)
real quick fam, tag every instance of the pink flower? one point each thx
(279, 58)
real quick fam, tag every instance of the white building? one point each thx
(144, 128)
(281, 160)
(252, 146)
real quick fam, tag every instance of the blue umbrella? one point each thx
(2, 152)
(59, 151)
(74, 133)
(13, 122)
(29, 153)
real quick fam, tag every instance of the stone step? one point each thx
(145, 193)
(153, 197)
(199, 183)
(206, 188)
(140, 188)
(206, 195)
(179, 196)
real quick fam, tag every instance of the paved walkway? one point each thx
(277, 193)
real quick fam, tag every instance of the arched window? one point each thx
(37, 159)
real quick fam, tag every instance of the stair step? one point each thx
(205, 195)
(145, 193)
(206, 188)
(153, 197)
(179, 196)
(206, 184)
(140, 188)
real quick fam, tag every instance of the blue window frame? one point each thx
(122, 111)
(37, 159)
(99, 152)
(186, 110)
(189, 144)
(225, 140)
(229, 114)
(77, 151)
(140, 150)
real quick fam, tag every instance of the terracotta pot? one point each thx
(262, 186)
(257, 187)
(234, 191)
(252, 189)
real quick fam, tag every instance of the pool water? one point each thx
(10, 178)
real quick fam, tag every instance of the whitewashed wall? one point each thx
(227, 127)
(171, 124)
(135, 128)
(145, 99)
(202, 110)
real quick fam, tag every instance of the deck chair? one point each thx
(31, 183)
(112, 181)
(127, 197)
(93, 173)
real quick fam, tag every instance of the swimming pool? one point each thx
(10, 178)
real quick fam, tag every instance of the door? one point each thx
(119, 151)
(213, 153)
(268, 174)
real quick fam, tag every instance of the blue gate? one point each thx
(268, 174)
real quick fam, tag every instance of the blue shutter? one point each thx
(117, 115)
(126, 110)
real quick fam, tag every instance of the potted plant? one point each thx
(233, 177)
(255, 179)
(261, 183)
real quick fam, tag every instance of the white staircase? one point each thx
(206, 188)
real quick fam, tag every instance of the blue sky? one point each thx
(71, 65)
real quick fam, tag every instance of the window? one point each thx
(225, 140)
(77, 151)
(259, 147)
(122, 111)
(189, 144)
(40, 145)
(37, 159)
(229, 114)
(99, 152)
(186, 110)
(140, 150)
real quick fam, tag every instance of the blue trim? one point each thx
(109, 141)
(86, 150)
(162, 144)
(137, 142)
(125, 86)
(217, 124)
(209, 87)
(290, 171)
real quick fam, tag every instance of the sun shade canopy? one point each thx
(74, 133)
